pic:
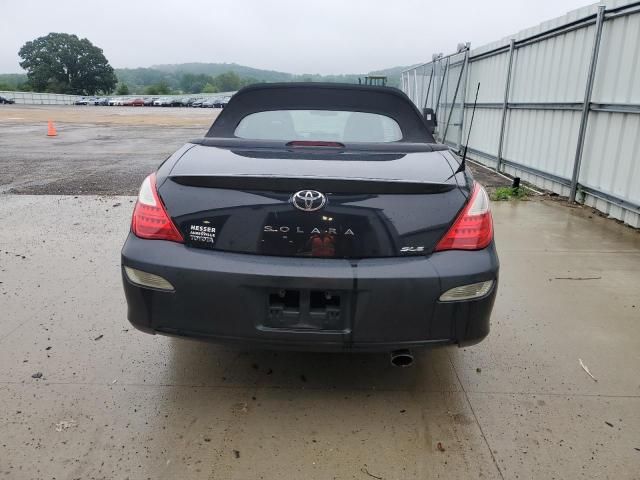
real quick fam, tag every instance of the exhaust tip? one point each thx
(401, 358)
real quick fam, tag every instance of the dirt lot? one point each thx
(102, 150)
(136, 116)
(85, 396)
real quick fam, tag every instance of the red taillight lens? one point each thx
(473, 229)
(150, 219)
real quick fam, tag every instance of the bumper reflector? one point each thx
(467, 292)
(145, 279)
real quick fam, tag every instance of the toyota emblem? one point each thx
(308, 200)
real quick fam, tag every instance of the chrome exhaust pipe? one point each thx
(401, 358)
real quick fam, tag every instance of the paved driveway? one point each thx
(114, 403)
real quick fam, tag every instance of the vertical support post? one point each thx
(505, 104)
(444, 77)
(455, 95)
(415, 85)
(422, 82)
(463, 99)
(586, 106)
(426, 99)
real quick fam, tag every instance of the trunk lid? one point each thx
(394, 203)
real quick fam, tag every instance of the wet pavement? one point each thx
(113, 402)
(85, 396)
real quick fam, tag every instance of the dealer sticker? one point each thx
(202, 234)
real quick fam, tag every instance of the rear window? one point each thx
(325, 125)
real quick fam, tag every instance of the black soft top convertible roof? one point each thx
(322, 96)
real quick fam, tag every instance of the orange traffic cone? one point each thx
(51, 131)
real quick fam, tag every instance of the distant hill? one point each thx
(172, 75)
(214, 69)
(261, 75)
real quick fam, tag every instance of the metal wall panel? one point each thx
(618, 74)
(492, 74)
(34, 98)
(611, 161)
(485, 132)
(553, 70)
(542, 139)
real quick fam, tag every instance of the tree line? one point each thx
(64, 63)
(189, 83)
(183, 83)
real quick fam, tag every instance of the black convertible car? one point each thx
(314, 217)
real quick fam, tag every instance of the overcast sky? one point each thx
(298, 36)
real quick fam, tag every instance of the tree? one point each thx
(122, 89)
(163, 88)
(160, 88)
(248, 81)
(192, 83)
(209, 88)
(63, 63)
(227, 82)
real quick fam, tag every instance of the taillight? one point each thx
(473, 229)
(150, 219)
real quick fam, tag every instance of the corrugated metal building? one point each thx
(559, 105)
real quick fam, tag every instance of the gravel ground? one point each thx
(98, 150)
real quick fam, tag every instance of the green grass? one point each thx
(507, 193)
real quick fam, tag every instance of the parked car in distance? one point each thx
(7, 100)
(221, 102)
(208, 103)
(102, 101)
(116, 101)
(197, 103)
(85, 101)
(320, 217)
(133, 102)
(148, 101)
(188, 101)
(163, 102)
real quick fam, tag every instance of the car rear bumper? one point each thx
(329, 304)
